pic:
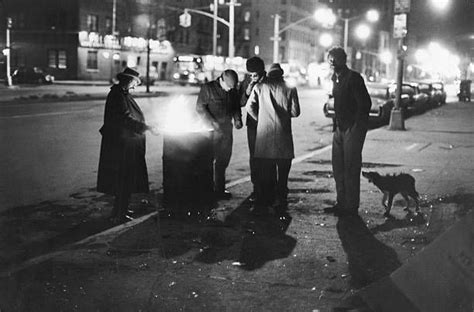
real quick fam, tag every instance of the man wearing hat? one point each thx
(122, 168)
(256, 73)
(272, 103)
(218, 105)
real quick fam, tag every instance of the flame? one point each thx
(181, 116)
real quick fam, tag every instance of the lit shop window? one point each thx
(57, 59)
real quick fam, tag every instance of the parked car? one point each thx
(381, 108)
(413, 100)
(31, 75)
(435, 92)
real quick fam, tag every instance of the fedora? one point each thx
(129, 73)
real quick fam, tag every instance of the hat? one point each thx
(255, 65)
(130, 74)
(275, 71)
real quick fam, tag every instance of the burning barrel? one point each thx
(188, 186)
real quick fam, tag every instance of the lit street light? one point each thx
(326, 40)
(363, 32)
(371, 15)
(440, 5)
(323, 16)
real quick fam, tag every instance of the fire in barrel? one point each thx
(188, 187)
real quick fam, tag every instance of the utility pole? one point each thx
(231, 5)
(400, 30)
(114, 17)
(214, 28)
(8, 51)
(276, 37)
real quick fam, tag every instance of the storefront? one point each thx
(102, 57)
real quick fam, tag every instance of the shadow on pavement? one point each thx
(369, 259)
(251, 240)
(394, 223)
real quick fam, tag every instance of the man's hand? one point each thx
(153, 130)
(238, 124)
(250, 87)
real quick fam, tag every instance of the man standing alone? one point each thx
(256, 73)
(351, 105)
(218, 103)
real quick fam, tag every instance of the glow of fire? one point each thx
(180, 117)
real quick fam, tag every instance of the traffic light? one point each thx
(9, 22)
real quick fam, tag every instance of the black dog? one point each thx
(391, 185)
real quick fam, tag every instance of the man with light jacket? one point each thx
(272, 103)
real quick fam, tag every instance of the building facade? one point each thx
(94, 40)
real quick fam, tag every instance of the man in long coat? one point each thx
(122, 168)
(273, 104)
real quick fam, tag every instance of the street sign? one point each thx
(185, 19)
(402, 6)
(399, 25)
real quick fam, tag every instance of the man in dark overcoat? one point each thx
(122, 167)
(218, 105)
(256, 74)
(351, 105)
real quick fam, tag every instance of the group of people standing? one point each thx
(270, 105)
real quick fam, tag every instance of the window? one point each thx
(108, 25)
(246, 34)
(247, 16)
(92, 60)
(57, 59)
(92, 22)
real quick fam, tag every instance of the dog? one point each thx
(391, 185)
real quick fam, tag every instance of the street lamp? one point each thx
(320, 15)
(440, 5)
(371, 15)
(232, 4)
(363, 31)
(326, 40)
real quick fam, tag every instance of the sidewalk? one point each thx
(307, 261)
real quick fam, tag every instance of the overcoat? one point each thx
(273, 104)
(122, 166)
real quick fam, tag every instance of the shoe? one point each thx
(224, 195)
(121, 219)
(333, 210)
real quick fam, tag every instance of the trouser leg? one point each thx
(353, 142)
(338, 166)
(266, 181)
(283, 167)
(251, 137)
(222, 153)
(121, 201)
